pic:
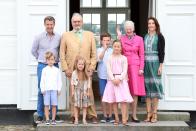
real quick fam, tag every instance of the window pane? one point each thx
(111, 18)
(95, 18)
(87, 18)
(122, 3)
(121, 26)
(120, 18)
(87, 27)
(114, 37)
(97, 40)
(96, 29)
(112, 28)
(111, 3)
(96, 3)
(85, 3)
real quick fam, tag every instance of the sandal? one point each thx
(75, 122)
(84, 122)
(148, 117)
(124, 123)
(116, 122)
(154, 117)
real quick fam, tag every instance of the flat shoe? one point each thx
(135, 120)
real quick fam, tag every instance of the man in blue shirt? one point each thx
(46, 41)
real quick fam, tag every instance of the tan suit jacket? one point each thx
(71, 46)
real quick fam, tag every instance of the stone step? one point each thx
(159, 126)
(162, 116)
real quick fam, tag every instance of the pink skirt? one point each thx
(136, 81)
(118, 93)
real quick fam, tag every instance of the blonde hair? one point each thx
(48, 55)
(78, 58)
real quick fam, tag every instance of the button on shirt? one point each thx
(44, 43)
(51, 79)
(102, 64)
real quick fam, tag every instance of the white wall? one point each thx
(30, 15)
(8, 52)
(178, 24)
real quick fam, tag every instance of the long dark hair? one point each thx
(158, 30)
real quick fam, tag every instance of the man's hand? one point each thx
(58, 92)
(68, 73)
(44, 92)
(90, 72)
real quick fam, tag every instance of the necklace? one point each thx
(150, 40)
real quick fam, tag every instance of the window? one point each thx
(104, 15)
(117, 3)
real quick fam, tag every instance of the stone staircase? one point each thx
(168, 121)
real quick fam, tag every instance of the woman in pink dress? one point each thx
(133, 49)
(117, 89)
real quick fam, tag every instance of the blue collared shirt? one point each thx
(102, 64)
(43, 43)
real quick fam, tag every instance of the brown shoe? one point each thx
(94, 120)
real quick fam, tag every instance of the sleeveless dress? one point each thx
(80, 98)
(117, 68)
(153, 83)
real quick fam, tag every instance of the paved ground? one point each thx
(17, 128)
(24, 128)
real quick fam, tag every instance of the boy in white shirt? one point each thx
(50, 85)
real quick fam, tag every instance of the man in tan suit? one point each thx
(78, 42)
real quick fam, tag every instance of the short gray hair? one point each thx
(76, 14)
(130, 24)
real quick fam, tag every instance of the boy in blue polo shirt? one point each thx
(103, 53)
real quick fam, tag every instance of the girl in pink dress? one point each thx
(117, 89)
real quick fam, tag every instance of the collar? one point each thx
(130, 37)
(78, 31)
(46, 33)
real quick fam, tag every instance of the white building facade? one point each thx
(21, 20)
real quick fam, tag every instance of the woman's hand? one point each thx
(118, 32)
(141, 72)
(160, 70)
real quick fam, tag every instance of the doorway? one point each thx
(104, 15)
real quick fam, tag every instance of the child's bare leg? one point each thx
(84, 115)
(53, 112)
(115, 108)
(104, 108)
(124, 112)
(46, 110)
(76, 114)
(110, 109)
